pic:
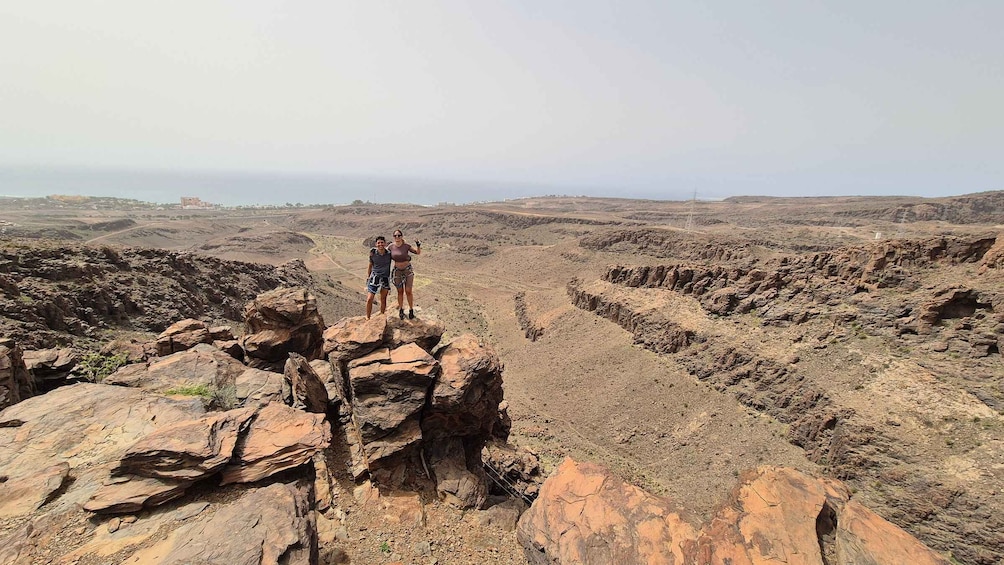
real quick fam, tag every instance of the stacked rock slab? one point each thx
(190, 332)
(281, 322)
(415, 410)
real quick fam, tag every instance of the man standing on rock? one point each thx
(378, 275)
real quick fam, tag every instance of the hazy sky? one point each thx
(794, 97)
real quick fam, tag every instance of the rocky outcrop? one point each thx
(243, 446)
(585, 515)
(808, 280)
(410, 411)
(16, 384)
(138, 450)
(655, 332)
(201, 366)
(88, 426)
(532, 331)
(281, 322)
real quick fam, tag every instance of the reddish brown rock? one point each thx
(279, 322)
(278, 439)
(181, 336)
(266, 526)
(307, 387)
(353, 337)
(187, 450)
(202, 365)
(16, 384)
(584, 515)
(26, 493)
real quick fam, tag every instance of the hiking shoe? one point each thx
(411, 314)
(400, 313)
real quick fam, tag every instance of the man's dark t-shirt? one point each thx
(381, 263)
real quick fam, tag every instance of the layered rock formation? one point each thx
(884, 294)
(136, 452)
(417, 410)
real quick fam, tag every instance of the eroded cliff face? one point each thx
(836, 330)
(53, 293)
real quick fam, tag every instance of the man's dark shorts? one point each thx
(376, 283)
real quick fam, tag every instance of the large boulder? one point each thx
(16, 384)
(587, 516)
(279, 322)
(189, 450)
(269, 525)
(354, 337)
(278, 439)
(50, 367)
(182, 335)
(200, 366)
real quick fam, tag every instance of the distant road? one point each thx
(93, 239)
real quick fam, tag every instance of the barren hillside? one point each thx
(681, 343)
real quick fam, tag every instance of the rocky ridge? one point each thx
(52, 291)
(828, 298)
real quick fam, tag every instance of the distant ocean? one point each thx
(248, 189)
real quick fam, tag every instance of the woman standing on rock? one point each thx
(402, 275)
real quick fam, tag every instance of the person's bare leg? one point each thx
(383, 301)
(369, 305)
(408, 285)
